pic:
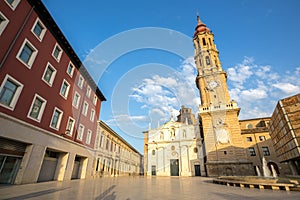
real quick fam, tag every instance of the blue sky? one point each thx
(141, 54)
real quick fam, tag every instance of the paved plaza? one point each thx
(131, 188)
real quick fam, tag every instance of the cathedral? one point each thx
(175, 148)
(218, 143)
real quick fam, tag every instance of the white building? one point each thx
(175, 149)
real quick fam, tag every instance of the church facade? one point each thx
(174, 149)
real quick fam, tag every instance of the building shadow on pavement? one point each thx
(36, 194)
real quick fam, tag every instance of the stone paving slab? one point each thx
(131, 188)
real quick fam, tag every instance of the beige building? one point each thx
(175, 148)
(255, 133)
(114, 156)
(285, 132)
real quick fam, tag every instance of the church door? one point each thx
(153, 170)
(197, 170)
(174, 167)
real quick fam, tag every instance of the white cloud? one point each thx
(257, 88)
(253, 94)
(163, 95)
(124, 118)
(287, 88)
(241, 72)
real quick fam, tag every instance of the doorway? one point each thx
(153, 170)
(9, 166)
(197, 170)
(174, 167)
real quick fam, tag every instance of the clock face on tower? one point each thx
(222, 135)
(212, 84)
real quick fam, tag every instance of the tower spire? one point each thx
(199, 20)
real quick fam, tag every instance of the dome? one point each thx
(201, 27)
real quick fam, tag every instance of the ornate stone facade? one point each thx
(174, 149)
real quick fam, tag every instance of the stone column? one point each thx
(31, 164)
(61, 166)
(69, 167)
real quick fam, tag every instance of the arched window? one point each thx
(203, 41)
(153, 152)
(216, 62)
(207, 60)
(161, 135)
(172, 133)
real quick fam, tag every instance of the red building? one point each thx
(49, 104)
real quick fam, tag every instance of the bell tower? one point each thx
(218, 114)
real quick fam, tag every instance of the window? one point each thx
(88, 137)
(195, 150)
(70, 69)
(70, 126)
(80, 81)
(85, 108)
(203, 41)
(95, 99)
(262, 138)
(153, 152)
(111, 146)
(57, 52)
(101, 141)
(27, 54)
(65, 89)
(3, 22)
(207, 60)
(37, 108)
(12, 3)
(49, 74)
(56, 118)
(38, 29)
(76, 100)
(88, 91)
(92, 115)
(266, 151)
(249, 126)
(107, 144)
(161, 135)
(249, 139)
(80, 132)
(252, 151)
(10, 91)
